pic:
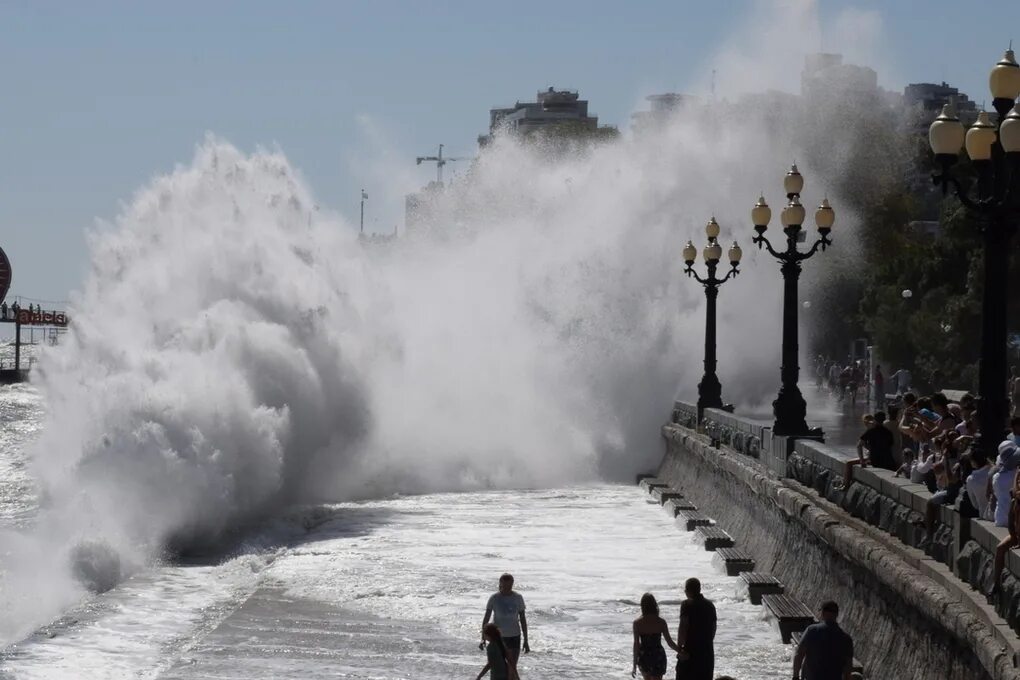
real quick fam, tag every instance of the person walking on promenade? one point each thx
(649, 629)
(878, 381)
(901, 379)
(498, 664)
(696, 636)
(506, 607)
(825, 651)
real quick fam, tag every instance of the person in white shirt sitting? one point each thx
(977, 483)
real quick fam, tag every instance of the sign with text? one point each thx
(41, 318)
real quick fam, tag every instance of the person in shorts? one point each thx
(506, 609)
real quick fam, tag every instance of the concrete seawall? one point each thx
(910, 615)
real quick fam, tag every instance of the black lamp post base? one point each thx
(709, 393)
(790, 410)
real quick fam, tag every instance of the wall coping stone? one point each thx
(987, 534)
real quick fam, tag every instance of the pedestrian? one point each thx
(825, 651)
(879, 387)
(696, 636)
(506, 608)
(833, 377)
(498, 664)
(901, 379)
(1014, 392)
(649, 629)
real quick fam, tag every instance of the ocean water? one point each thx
(21, 414)
(382, 589)
(395, 588)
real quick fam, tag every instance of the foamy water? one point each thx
(413, 574)
(21, 415)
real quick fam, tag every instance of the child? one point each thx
(499, 662)
(922, 470)
(908, 463)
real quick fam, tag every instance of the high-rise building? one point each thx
(552, 108)
(826, 74)
(931, 97)
(662, 107)
(420, 207)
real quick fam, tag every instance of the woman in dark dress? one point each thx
(499, 663)
(649, 629)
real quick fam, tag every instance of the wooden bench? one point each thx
(714, 538)
(665, 493)
(649, 483)
(791, 614)
(759, 584)
(670, 496)
(678, 505)
(643, 475)
(856, 666)
(734, 561)
(689, 520)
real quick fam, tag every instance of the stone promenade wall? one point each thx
(912, 617)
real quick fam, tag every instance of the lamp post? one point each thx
(789, 407)
(364, 197)
(709, 389)
(994, 149)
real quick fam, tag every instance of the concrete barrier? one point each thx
(907, 592)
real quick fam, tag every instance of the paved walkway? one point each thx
(273, 635)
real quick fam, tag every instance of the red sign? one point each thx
(27, 318)
(5, 274)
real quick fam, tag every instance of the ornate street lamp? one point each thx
(709, 389)
(789, 407)
(994, 149)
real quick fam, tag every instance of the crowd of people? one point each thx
(10, 312)
(849, 380)
(929, 440)
(825, 651)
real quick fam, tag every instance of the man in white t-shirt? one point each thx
(507, 611)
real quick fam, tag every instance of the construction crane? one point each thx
(440, 161)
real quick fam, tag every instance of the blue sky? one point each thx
(100, 96)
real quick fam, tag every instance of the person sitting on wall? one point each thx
(878, 441)
(977, 483)
(1011, 541)
(1002, 482)
(909, 457)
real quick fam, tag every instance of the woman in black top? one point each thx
(649, 629)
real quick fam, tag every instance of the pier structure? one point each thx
(50, 321)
